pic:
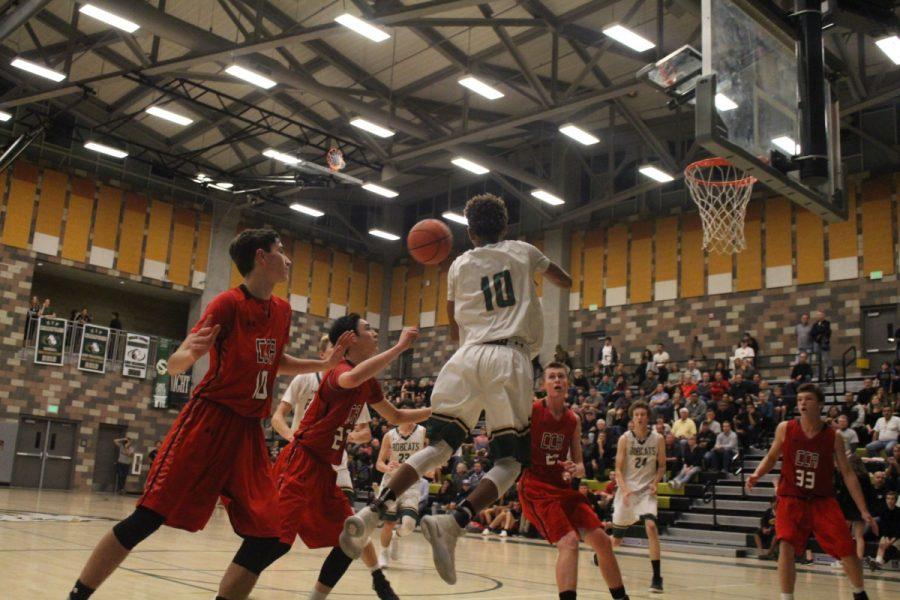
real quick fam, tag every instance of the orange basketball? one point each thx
(429, 242)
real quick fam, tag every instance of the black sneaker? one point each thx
(656, 586)
(383, 588)
(596, 560)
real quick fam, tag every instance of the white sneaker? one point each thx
(503, 533)
(485, 531)
(442, 531)
(383, 559)
(395, 547)
(358, 529)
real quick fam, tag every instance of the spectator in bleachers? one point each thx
(884, 433)
(596, 376)
(803, 330)
(868, 391)
(660, 405)
(602, 456)
(688, 385)
(721, 367)
(712, 424)
(476, 475)
(743, 351)
(764, 537)
(892, 470)
(452, 484)
(848, 506)
(831, 416)
(782, 405)
(661, 357)
(606, 386)
(885, 377)
(718, 387)
(821, 337)
(34, 310)
(692, 459)
(704, 386)
(802, 371)
(706, 438)
(673, 454)
(851, 439)
(725, 409)
(609, 357)
(746, 424)
(888, 529)
(684, 427)
(720, 457)
(696, 408)
(748, 370)
(46, 311)
(662, 428)
(692, 370)
(579, 380)
(738, 388)
(561, 356)
(648, 386)
(645, 365)
(115, 322)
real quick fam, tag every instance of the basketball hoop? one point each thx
(721, 191)
(335, 159)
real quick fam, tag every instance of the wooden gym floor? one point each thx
(46, 537)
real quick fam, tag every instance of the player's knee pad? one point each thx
(430, 458)
(504, 473)
(255, 553)
(334, 567)
(137, 527)
(407, 525)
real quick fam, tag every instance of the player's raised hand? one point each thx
(408, 336)
(199, 342)
(752, 480)
(339, 350)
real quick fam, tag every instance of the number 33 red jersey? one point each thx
(807, 469)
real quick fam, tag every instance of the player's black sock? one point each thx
(463, 513)
(567, 595)
(656, 569)
(618, 593)
(80, 591)
(860, 595)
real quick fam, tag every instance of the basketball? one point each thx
(429, 242)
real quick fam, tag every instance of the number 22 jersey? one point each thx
(807, 464)
(550, 443)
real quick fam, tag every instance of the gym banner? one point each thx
(162, 381)
(94, 343)
(137, 352)
(51, 340)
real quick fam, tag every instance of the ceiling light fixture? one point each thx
(455, 217)
(202, 178)
(109, 18)
(36, 69)
(480, 87)
(384, 234)
(306, 210)
(363, 28)
(282, 157)
(251, 76)
(578, 134)
(468, 165)
(656, 174)
(787, 145)
(168, 115)
(724, 103)
(545, 196)
(104, 149)
(381, 191)
(225, 186)
(626, 37)
(891, 47)
(372, 128)
(5, 116)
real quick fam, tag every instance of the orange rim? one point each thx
(715, 162)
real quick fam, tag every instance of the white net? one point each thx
(721, 192)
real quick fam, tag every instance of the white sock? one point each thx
(857, 590)
(317, 595)
(879, 560)
(785, 596)
(374, 567)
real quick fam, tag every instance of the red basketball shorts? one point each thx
(797, 518)
(210, 452)
(555, 511)
(310, 504)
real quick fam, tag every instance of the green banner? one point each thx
(161, 383)
(92, 354)
(51, 340)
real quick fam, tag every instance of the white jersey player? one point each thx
(640, 466)
(495, 314)
(398, 445)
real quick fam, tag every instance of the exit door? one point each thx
(45, 452)
(879, 325)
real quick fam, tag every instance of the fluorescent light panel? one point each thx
(36, 69)
(578, 134)
(306, 210)
(282, 157)
(5, 116)
(787, 145)
(384, 234)
(225, 186)
(468, 165)
(202, 178)
(626, 37)
(250, 76)
(104, 149)
(545, 196)
(891, 47)
(656, 174)
(381, 191)
(480, 88)
(109, 18)
(362, 27)
(455, 217)
(372, 128)
(168, 115)
(724, 103)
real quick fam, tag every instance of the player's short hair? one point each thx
(323, 343)
(487, 217)
(813, 389)
(245, 244)
(342, 325)
(638, 405)
(555, 365)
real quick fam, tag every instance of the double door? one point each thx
(45, 453)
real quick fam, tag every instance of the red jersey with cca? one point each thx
(807, 469)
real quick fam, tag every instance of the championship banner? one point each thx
(137, 352)
(51, 340)
(179, 390)
(92, 354)
(162, 381)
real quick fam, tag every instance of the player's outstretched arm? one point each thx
(852, 483)
(381, 464)
(371, 367)
(396, 416)
(279, 420)
(196, 344)
(621, 452)
(771, 457)
(558, 276)
(291, 365)
(576, 466)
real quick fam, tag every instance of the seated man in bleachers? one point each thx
(692, 459)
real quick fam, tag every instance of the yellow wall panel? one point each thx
(429, 289)
(359, 278)
(376, 282)
(594, 247)
(301, 267)
(641, 263)
(810, 247)
(20, 206)
(666, 252)
(53, 201)
(106, 221)
(749, 261)
(131, 241)
(693, 280)
(340, 278)
(182, 246)
(78, 220)
(158, 231)
(877, 226)
(204, 232)
(281, 288)
(576, 251)
(442, 318)
(778, 232)
(617, 257)
(398, 291)
(412, 305)
(719, 263)
(318, 300)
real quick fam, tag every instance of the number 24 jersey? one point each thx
(807, 464)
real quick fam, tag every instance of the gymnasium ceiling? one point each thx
(548, 56)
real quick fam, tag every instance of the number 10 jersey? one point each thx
(807, 464)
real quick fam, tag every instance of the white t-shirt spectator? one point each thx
(661, 359)
(727, 440)
(888, 431)
(606, 356)
(743, 352)
(850, 437)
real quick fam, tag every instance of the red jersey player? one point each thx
(809, 450)
(310, 504)
(216, 445)
(558, 512)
